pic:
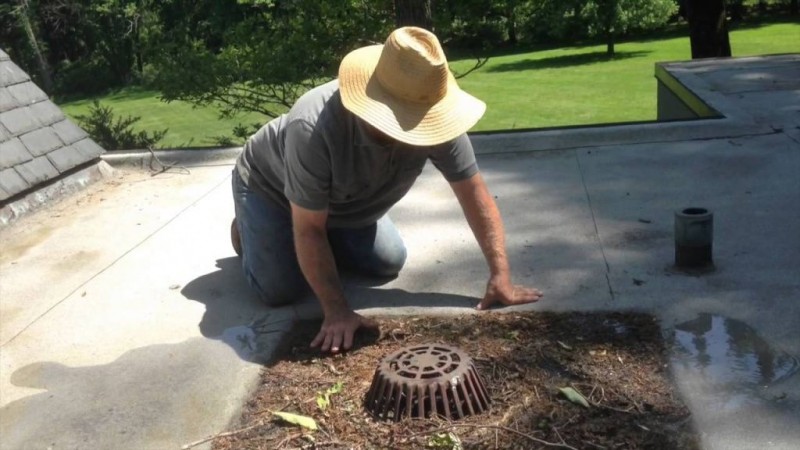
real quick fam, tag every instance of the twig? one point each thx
(164, 167)
(594, 445)
(287, 439)
(561, 444)
(558, 434)
(325, 443)
(626, 411)
(219, 435)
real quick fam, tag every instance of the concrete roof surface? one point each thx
(125, 321)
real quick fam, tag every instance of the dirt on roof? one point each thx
(616, 361)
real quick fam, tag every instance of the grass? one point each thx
(532, 89)
(188, 126)
(580, 85)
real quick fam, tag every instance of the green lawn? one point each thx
(188, 126)
(579, 85)
(546, 88)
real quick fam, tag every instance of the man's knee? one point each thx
(387, 264)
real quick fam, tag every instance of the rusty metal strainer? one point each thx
(426, 381)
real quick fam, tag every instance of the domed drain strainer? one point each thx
(426, 381)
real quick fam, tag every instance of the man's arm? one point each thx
(319, 267)
(487, 226)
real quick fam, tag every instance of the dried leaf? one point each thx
(574, 396)
(324, 398)
(513, 335)
(296, 419)
(445, 441)
(323, 401)
(564, 346)
(336, 388)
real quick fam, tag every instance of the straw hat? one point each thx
(404, 88)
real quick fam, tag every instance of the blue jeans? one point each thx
(269, 259)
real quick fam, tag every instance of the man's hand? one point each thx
(338, 329)
(501, 290)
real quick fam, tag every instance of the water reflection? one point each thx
(728, 353)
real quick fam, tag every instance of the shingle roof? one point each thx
(37, 143)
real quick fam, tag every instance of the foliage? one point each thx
(324, 398)
(91, 46)
(445, 441)
(611, 18)
(116, 133)
(104, 38)
(541, 87)
(270, 56)
(556, 20)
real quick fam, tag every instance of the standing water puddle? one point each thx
(731, 357)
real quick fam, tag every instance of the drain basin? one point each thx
(426, 380)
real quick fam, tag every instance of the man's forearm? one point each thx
(319, 267)
(484, 219)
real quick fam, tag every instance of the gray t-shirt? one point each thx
(320, 156)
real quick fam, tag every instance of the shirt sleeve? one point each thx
(307, 167)
(455, 159)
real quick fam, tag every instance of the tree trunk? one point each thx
(511, 18)
(46, 79)
(609, 44)
(708, 28)
(415, 13)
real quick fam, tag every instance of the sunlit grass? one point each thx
(558, 87)
(579, 85)
(188, 126)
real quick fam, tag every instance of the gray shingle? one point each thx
(37, 170)
(4, 134)
(7, 102)
(66, 158)
(68, 131)
(12, 153)
(10, 74)
(27, 93)
(18, 121)
(88, 148)
(47, 112)
(3, 55)
(11, 182)
(3, 195)
(41, 141)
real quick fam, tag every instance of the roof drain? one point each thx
(426, 381)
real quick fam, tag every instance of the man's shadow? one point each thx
(235, 315)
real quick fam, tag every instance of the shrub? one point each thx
(240, 135)
(116, 133)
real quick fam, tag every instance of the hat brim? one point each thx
(410, 122)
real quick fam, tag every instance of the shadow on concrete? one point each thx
(556, 62)
(228, 298)
(234, 314)
(368, 298)
(112, 405)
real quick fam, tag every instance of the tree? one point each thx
(260, 55)
(413, 13)
(611, 18)
(708, 28)
(23, 14)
